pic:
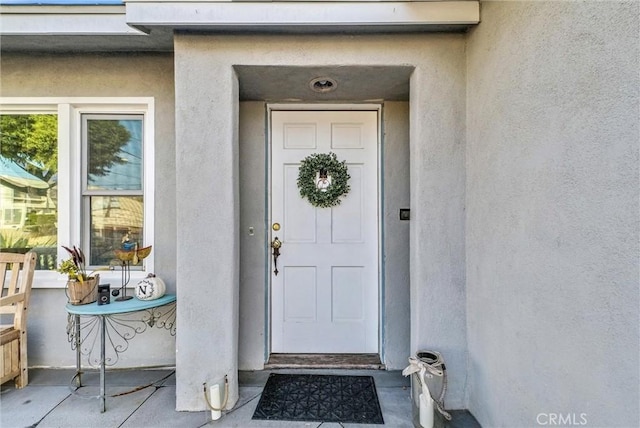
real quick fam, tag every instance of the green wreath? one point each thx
(312, 169)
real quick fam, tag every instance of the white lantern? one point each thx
(150, 288)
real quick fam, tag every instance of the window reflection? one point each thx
(114, 149)
(113, 218)
(28, 186)
(112, 184)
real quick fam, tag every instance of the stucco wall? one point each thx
(207, 105)
(552, 213)
(395, 147)
(121, 75)
(253, 146)
(437, 149)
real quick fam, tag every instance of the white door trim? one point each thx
(311, 107)
(322, 107)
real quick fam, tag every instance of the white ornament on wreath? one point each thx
(323, 180)
(150, 288)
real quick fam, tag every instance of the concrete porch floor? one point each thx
(48, 402)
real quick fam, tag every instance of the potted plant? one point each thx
(82, 288)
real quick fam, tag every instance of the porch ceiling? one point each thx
(357, 83)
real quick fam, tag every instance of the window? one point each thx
(76, 171)
(28, 185)
(112, 188)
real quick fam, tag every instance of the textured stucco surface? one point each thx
(253, 273)
(107, 75)
(395, 147)
(207, 197)
(438, 318)
(552, 213)
(207, 102)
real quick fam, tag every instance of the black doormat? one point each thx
(321, 398)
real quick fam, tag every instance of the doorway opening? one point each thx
(324, 289)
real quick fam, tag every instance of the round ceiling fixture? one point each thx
(323, 84)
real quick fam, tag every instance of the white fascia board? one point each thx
(220, 15)
(22, 21)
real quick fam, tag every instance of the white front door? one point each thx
(325, 297)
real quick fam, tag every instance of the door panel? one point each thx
(347, 222)
(299, 294)
(299, 215)
(325, 298)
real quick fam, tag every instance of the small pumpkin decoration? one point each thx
(150, 288)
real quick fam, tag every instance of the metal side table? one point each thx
(114, 324)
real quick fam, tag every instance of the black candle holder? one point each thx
(126, 277)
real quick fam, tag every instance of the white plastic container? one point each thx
(425, 411)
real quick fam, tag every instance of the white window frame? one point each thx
(69, 111)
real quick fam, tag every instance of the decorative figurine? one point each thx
(130, 253)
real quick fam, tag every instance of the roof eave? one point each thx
(319, 15)
(149, 24)
(64, 20)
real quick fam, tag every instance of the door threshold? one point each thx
(325, 361)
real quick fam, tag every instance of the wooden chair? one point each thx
(16, 276)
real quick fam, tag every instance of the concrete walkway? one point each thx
(48, 402)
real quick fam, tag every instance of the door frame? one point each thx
(270, 107)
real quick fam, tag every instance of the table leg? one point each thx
(103, 328)
(78, 353)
